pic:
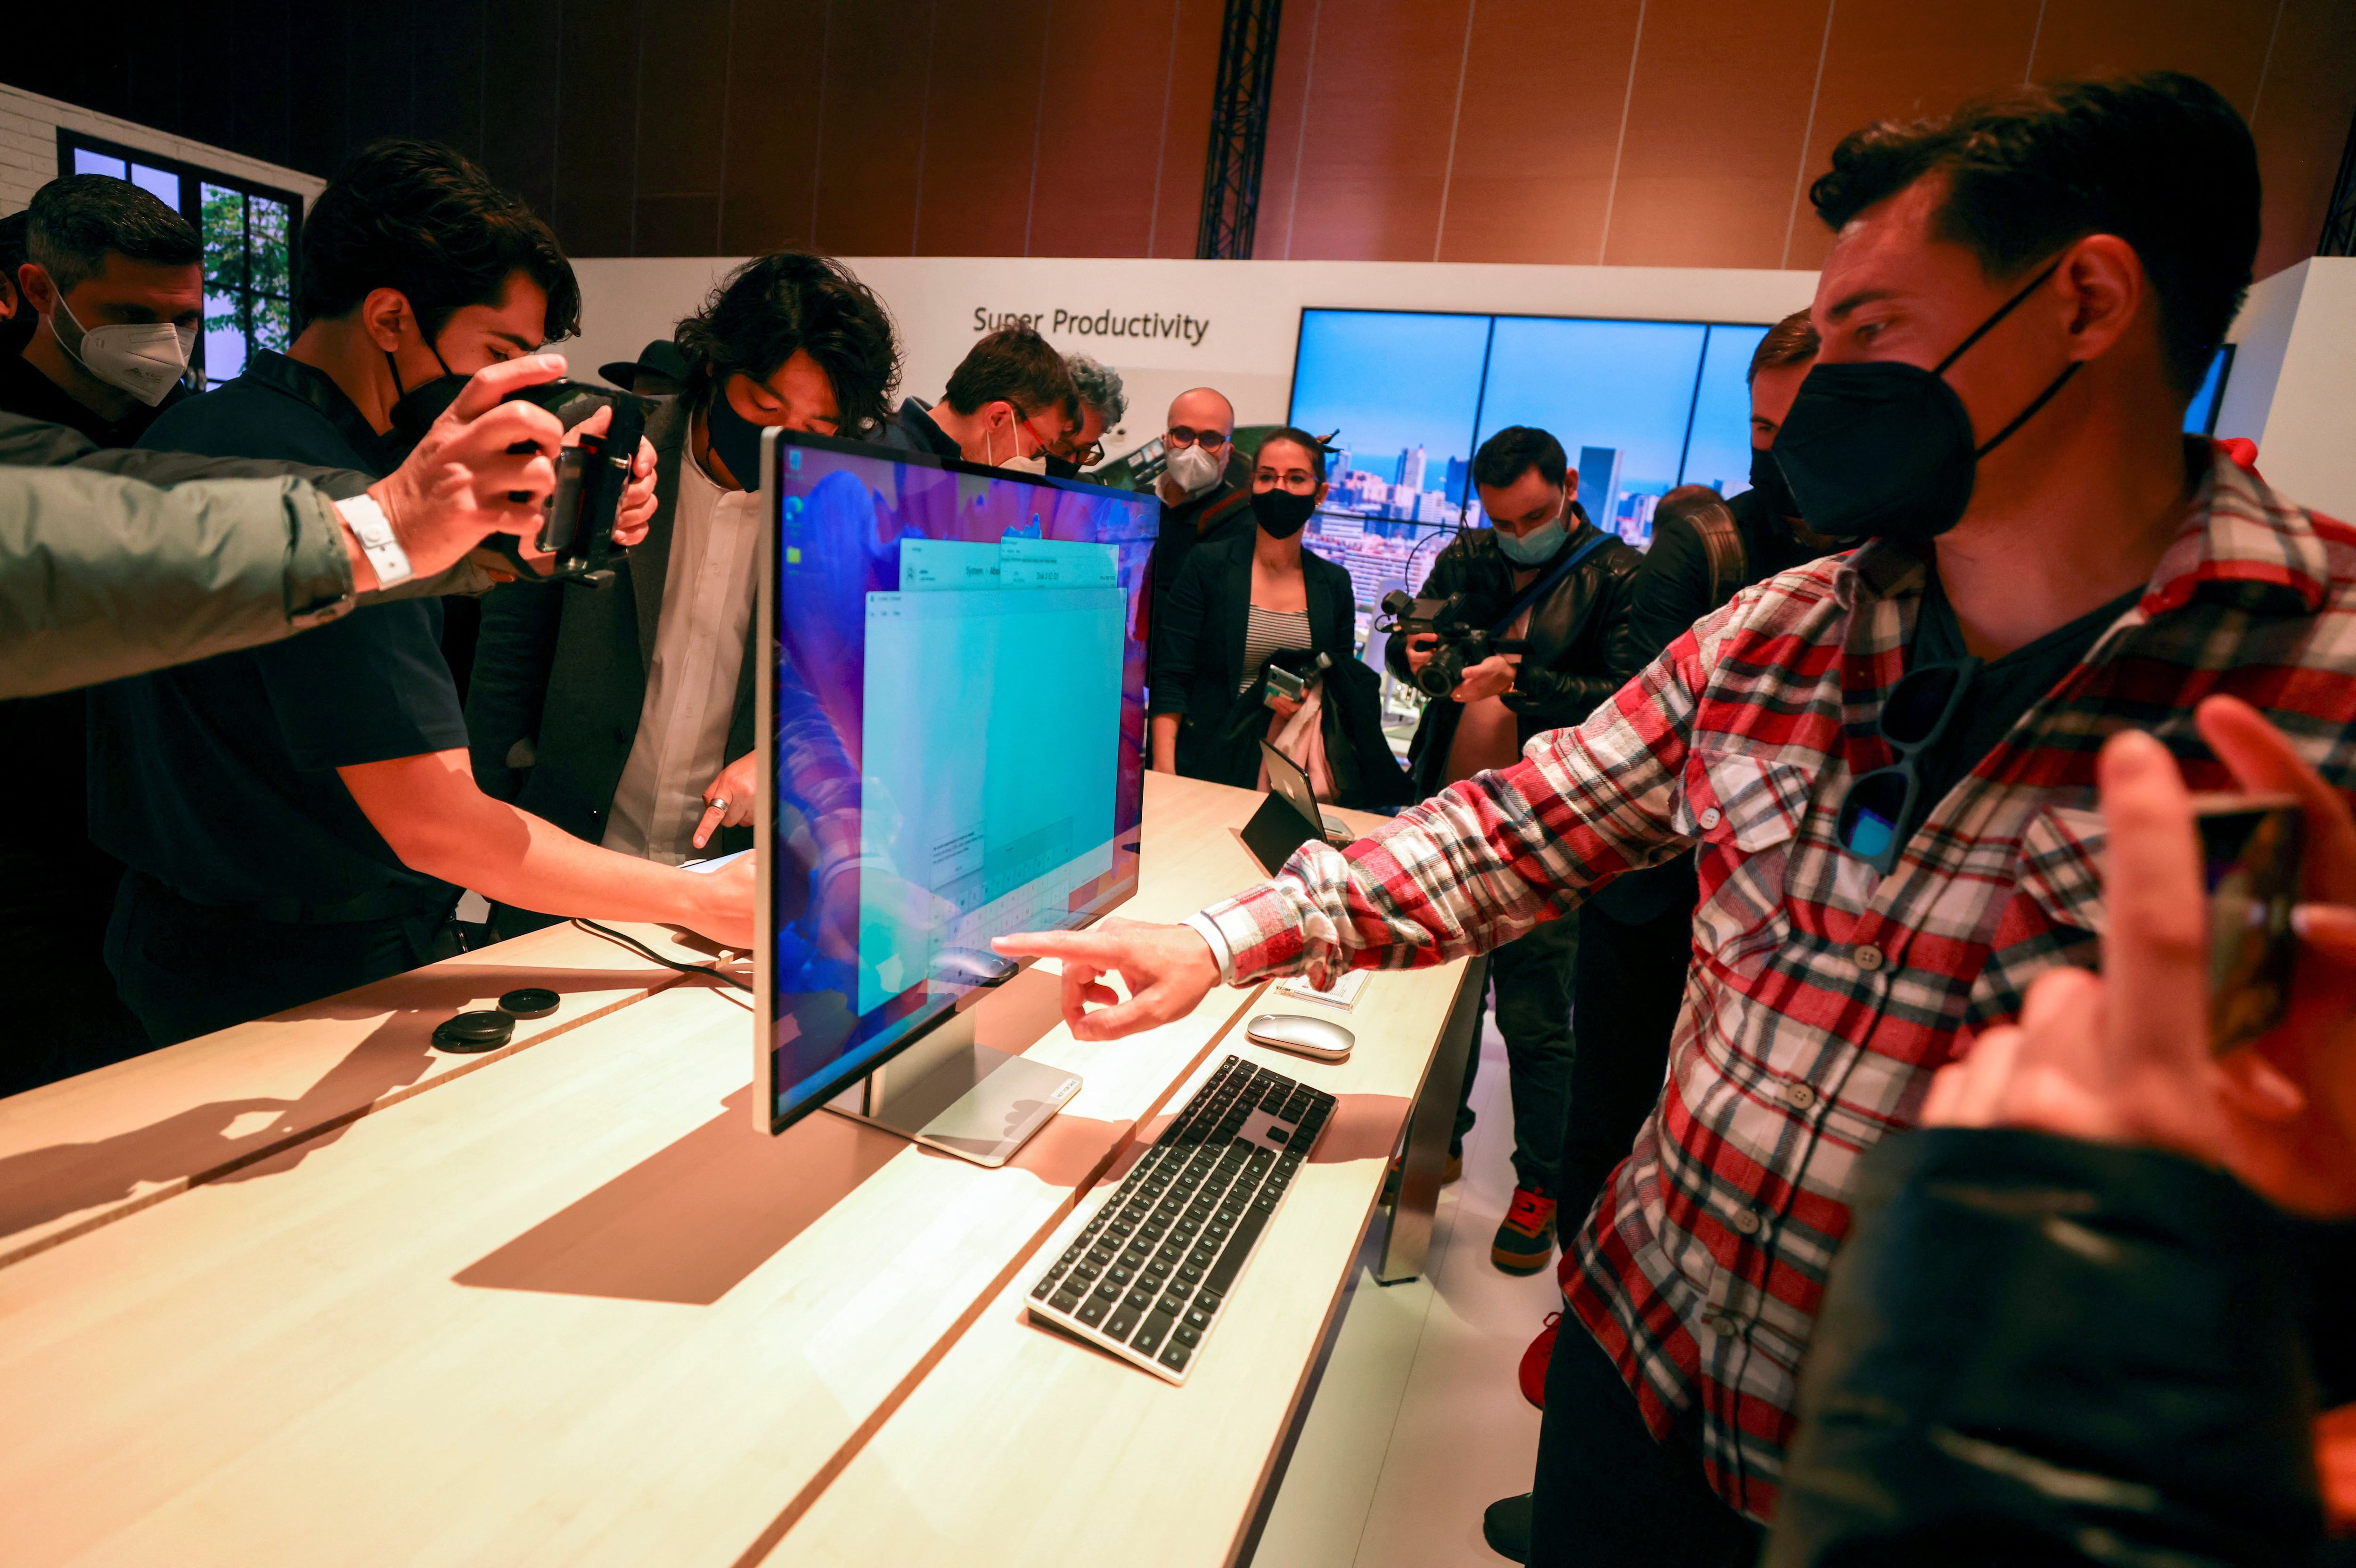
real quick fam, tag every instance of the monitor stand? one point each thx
(947, 1090)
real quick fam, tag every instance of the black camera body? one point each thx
(591, 475)
(1464, 641)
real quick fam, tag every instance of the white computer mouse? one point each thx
(1310, 1036)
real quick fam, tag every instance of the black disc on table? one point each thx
(529, 1002)
(469, 1034)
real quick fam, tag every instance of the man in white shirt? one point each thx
(624, 714)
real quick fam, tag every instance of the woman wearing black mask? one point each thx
(1243, 606)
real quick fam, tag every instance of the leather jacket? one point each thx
(1580, 650)
(2038, 1351)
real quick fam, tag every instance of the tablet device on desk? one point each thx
(1289, 816)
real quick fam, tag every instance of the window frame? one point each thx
(193, 179)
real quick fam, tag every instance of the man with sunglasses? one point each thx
(1205, 494)
(2017, 309)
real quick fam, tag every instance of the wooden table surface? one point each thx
(571, 1307)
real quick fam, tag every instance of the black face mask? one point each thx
(1062, 467)
(419, 407)
(1882, 450)
(1768, 480)
(1282, 513)
(735, 440)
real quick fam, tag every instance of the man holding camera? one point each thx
(624, 714)
(1555, 587)
(298, 818)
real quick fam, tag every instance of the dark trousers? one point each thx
(1607, 1494)
(187, 969)
(1529, 978)
(1631, 980)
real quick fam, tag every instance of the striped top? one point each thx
(1266, 630)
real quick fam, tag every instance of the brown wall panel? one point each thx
(1382, 98)
(1184, 137)
(2223, 42)
(684, 225)
(1100, 129)
(1280, 163)
(980, 126)
(981, 122)
(1716, 123)
(599, 51)
(2301, 122)
(1537, 131)
(1906, 60)
(777, 61)
(879, 62)
(681, 123)
(523, 100)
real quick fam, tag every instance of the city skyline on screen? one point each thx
(1413, 394)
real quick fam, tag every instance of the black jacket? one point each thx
(1220, 514)
(1580, 652)
(1674, 590)
(561, 676)
(1200, 660)
(2030, 1342)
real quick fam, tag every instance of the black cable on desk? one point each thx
(635, 945)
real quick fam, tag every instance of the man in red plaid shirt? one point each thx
(1885, 758)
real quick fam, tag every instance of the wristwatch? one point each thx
(374, 530)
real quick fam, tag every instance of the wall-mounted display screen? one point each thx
(1640, 406)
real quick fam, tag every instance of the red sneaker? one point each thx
(1535, 1359)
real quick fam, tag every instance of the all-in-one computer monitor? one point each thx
(952, 728)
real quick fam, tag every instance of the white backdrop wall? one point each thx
(1169, 325)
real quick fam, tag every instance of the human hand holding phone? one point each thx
(2126, 1057)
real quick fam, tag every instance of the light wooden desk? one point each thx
(574, 1309)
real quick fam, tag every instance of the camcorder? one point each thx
(1464, 641)
(592, 475)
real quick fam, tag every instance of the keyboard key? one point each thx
(1191, 1275)
(1120, 1324)
(1085, 1271)
(1223, 1273)
(1044, 1290)
(1198, 1318)
(1118, 1275)
(1064, 1301)
(1175, 1357)
(1141, 1298)
(1092, 1311)
(1209, 1299)
(1186, 1335)
(1149, 1338)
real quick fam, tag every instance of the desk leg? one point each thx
(1428, 1126)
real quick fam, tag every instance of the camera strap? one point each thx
(1546, 584)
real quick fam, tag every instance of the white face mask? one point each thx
(143, 361)
(1015, 461)
(1194, 470)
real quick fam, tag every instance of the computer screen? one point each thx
(1640, 406)
(955, 725)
